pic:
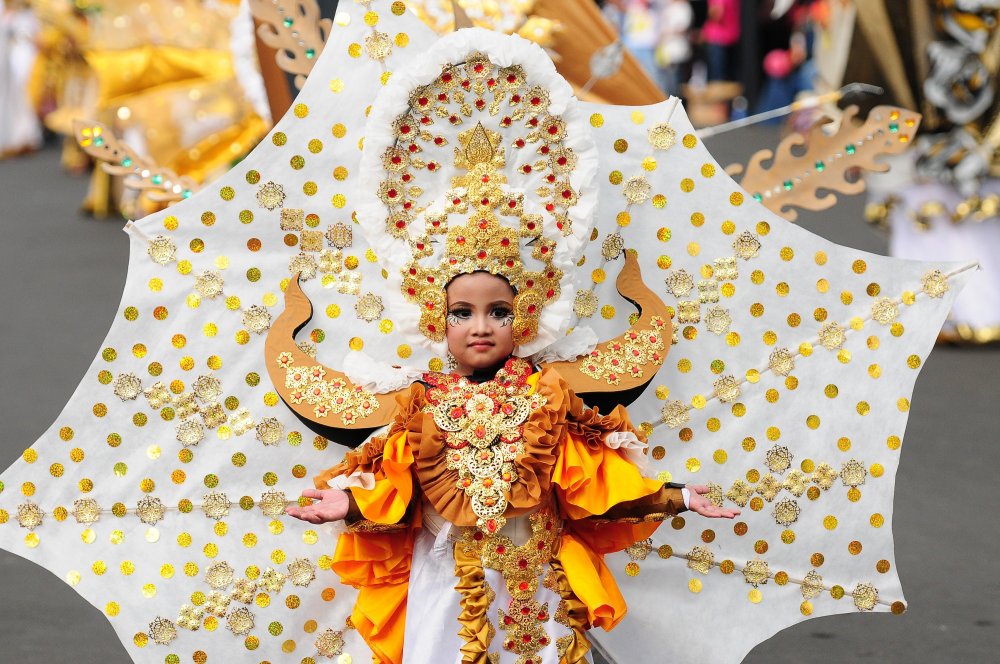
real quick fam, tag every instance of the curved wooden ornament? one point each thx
(322, 397)
(618, 370)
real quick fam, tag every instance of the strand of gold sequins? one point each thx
(636, 190)
(757, 572)
(150, 510)
(831, 336)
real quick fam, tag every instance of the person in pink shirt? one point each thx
(720, 34)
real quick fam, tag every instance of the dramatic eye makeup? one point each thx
(503, 314)
(458, 316)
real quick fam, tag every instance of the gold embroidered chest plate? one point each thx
(483, 426)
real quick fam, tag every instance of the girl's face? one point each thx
(480, 321)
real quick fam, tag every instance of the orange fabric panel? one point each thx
(380, 617)
(378, 565)
(592, 582)
(590, 479)
(387, 502)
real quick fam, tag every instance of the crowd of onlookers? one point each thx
(695, 42)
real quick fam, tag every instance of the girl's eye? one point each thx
(501, 312)
(458, 316)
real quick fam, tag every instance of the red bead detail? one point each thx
(526, 168)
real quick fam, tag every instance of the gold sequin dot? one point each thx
(806, 608)
(621, 145)
(227, 193)
(687, 185)
(859, 266)
(694, 585)
(728, 227)
(854, 548)
(735, 198)
(615, 177)
(689, 141)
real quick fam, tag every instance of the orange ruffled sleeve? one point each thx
(378, 563)
(590, 479)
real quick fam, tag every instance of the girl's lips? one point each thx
(481, 345)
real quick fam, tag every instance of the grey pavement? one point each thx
(61, 276)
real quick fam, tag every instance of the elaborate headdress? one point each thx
(474, 162)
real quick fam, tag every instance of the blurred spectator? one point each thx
(636, 23)
(20, 129)
(788, 67)
(673, 53)
(720, 34)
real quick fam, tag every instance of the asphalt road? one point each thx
(61, 276)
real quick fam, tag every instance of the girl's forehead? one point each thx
(478, 287)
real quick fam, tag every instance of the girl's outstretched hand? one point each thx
(329, 505)
(703, 506)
